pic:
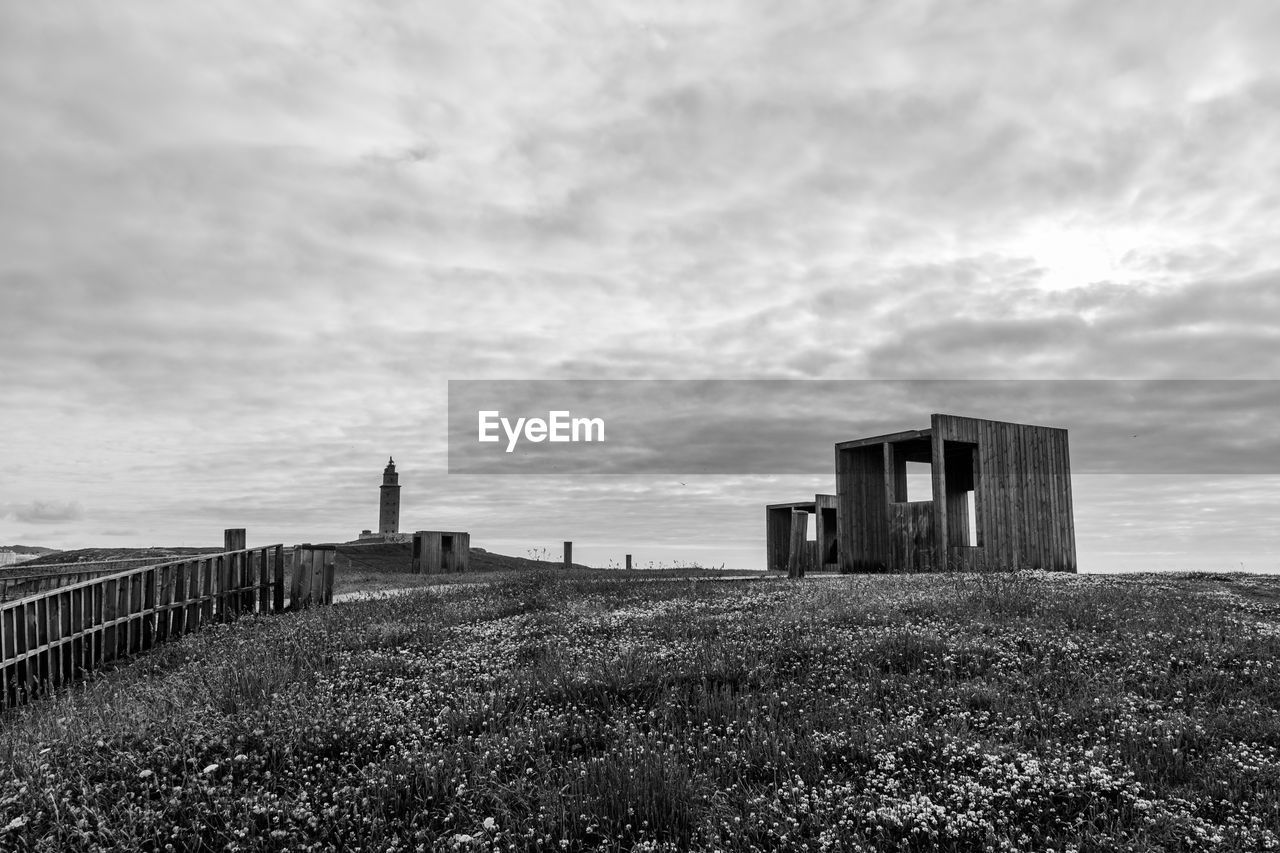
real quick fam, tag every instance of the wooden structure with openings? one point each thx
(787, 547)
(441, 552)
(1000, 498)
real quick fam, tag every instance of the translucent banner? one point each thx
(752, 427)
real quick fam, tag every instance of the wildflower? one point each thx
(490, 824)
(210, 769)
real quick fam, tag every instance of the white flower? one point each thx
(211, 768)
(490, 824)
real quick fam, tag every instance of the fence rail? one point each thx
(61, 634)
(14, 585)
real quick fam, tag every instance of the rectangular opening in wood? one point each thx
(919, 481)
(828, 545)
(961, 459)
(972, 500)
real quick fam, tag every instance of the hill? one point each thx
(398, 556)
(27, 549)
(377, 557)
(100, 555)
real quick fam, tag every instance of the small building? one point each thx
(1000, 498)
(439, 552)
(786, 531)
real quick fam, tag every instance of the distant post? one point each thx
(628, 562)
(568, 554)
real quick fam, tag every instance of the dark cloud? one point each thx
(45, 512)
(1221, 329)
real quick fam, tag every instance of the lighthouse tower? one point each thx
(389, 506)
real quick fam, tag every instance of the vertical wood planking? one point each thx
(1022, 534)
(844, 509)
(277, 592)
(317, 577)
(1061, 504)
(862, 508)
(796, 547)
(938, 476)
(53, 613)
(997, 554)
(295, 578)
(63, 632)
(222, 582)
(6, 654)
(234, 540)
(1048, 520)
(263, 564)
(773, 538)
(1067, 515)
(329, 559)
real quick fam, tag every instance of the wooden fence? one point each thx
(58, 635)
(14, 585)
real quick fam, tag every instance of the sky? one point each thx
(245, 247)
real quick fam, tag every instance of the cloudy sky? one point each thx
(245, 246)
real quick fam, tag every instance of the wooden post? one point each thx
(233, 539)
(628, 562)
(799, 542)
(326, 593)
(277, 576)
(262, 560)
(568, 555)
(315, 578)
(312, 576)
(295, 578)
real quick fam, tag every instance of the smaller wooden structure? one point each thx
(787, 547)
(441, 552)
(999, 498)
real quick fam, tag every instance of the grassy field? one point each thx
(550, 713)
(363, 580)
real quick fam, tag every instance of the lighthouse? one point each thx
(389, 505)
